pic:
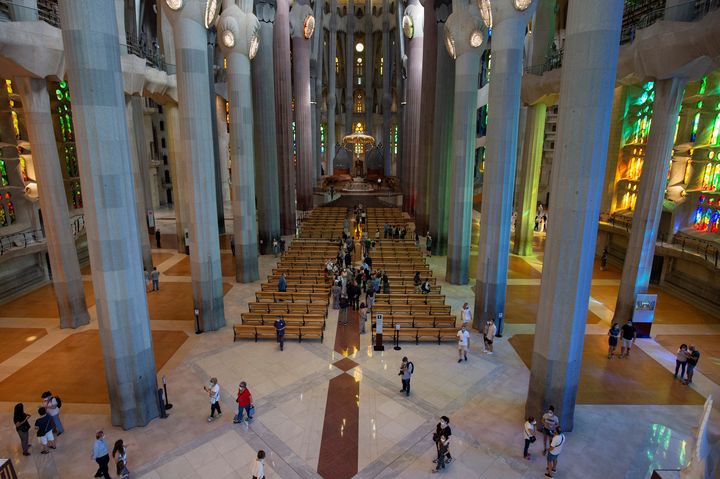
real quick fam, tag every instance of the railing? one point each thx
(690, 11)
(25, 239)
(6, 469)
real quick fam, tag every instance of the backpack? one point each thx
(411, 367)
(58, 401)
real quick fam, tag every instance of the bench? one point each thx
(278, 297)
(421, 334)
(289, 308)
(244, 331)
(267, 319)
(394, 298)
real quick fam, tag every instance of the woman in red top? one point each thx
(244, 400)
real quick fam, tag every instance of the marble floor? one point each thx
(334, 410)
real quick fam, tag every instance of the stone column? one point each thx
(589, 68)
(316, 61)
(197, 160)
(427, 121)
(529, 172)
(332, 87)
(651, 191)
(143, 151)
(139, 176)
(283, 116)
(92, 59)
(439, 193)
(508, 35)
(238, 31)
(369, 68)
(387, 91)
(609, 197)
(299, 15)
(414, 16)
(23, 10)
(217, 163)
(461, 26)
(349, 67)
(66, 277)
(265, 138)
(223, 140)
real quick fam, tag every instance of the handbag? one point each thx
(532, 439)
(251, 411)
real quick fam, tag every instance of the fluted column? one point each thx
(387, 91)
(300, 18)
(316, 62)
(369, 66)
(461, 26)
(217, 163)
(651, 192)
(283, 116)
(413, 23)
(265, 137)
(349, 66)
(92, 59)
(588, 72)
(23, 10)
(197, 159)
(508, 34)
(439, 193)
(66, 277)
(529, 172)
(238, 32)
(332, 87)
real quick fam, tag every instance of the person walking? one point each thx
(603, 259)
(443, 429)
(119, 454)
(157, 238)
(613, 336)
(407, 368)
(443, 446)
(426, 287)
(214, 394)
(681, 358)
(101, 456)
(244, 402)
(556, 446)
(258, 467)
(692, 360)
(44, 428)
(463, 343)
(282, 283)
(529, 433)
(489, 334)
(428, 244)
(275, 247)
(155, 276)
(335, 291)
(52, 405)
(280, 331)
(466, 315)
(363, 317)
(22, 426)
(549, 422)
(343, 314)
(232, 245)
(146, 273)
(629, 334)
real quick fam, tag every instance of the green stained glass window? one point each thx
(3, 174)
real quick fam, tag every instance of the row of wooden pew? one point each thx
(251, 331)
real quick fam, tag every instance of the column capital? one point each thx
(203, 12)
(465, 32)
(443, 9)
(413, 20)
(238, 32)
(302, 21)
(497, 11)
(265, 10)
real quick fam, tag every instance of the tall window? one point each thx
(359, 103)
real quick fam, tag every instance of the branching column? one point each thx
(501, 156)
(646, 218)
(197, 159)
(586, 94)
(67, 280)
(332, 87)
(387, 91)
(92, 56)
(349, 65)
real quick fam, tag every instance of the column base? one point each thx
(246, 263)
(553, 382)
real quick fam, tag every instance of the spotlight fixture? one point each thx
(450, 43)
(309, 26)
(254, 45)
(174, 4)
(407, 26)
(522, 5)
(228, 39)
(476, 39)
(211, 10)
(486, 11)
(359, 47)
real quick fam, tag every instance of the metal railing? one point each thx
(24, 239)
(690, 11)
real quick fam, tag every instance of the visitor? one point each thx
(275, 247)
(463, 343)
(417, 282)
(348, 259)
(146, 274)
(407, 368)
(629, 334)
(692, 360)
(157, 238)
(214, 394)
(529, 433)
(443, 429)
(232, 245)
(386, 285)
(354, 295)
(335, 291)
(537, 222)
(343, 315)
(282, 283)
(52, 405)
(613, 336)
(489, 334)
(44, 428)
(556, 446)
(603, 259)
(466, 315)
(377, 235)
(428, 244)
(417, 239)
(386, 229)
(403, 233)
(101, 456)
(443, 446)
(370, 298)
(425, 288)
(119, 454)
(681, 358)
(549, 422)
(22, 426)
(280, 331)
(155, 276)
(244, 402)
(258, 468)
(363, 317)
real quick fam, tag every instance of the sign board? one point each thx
(644, 308)
(379, 323)
(151, 218)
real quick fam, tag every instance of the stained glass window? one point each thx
(3, 216)
(11, 212)
(3, 174)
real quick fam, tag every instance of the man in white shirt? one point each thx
(463, 343)
(466, 315)
(556, 445)
(490, 330)
(214, 393)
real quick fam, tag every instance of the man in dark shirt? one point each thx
(280, 331)
(692, 360)
(628, 338)
(282, 283)
(442, 430)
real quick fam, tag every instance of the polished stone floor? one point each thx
(333, 409)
